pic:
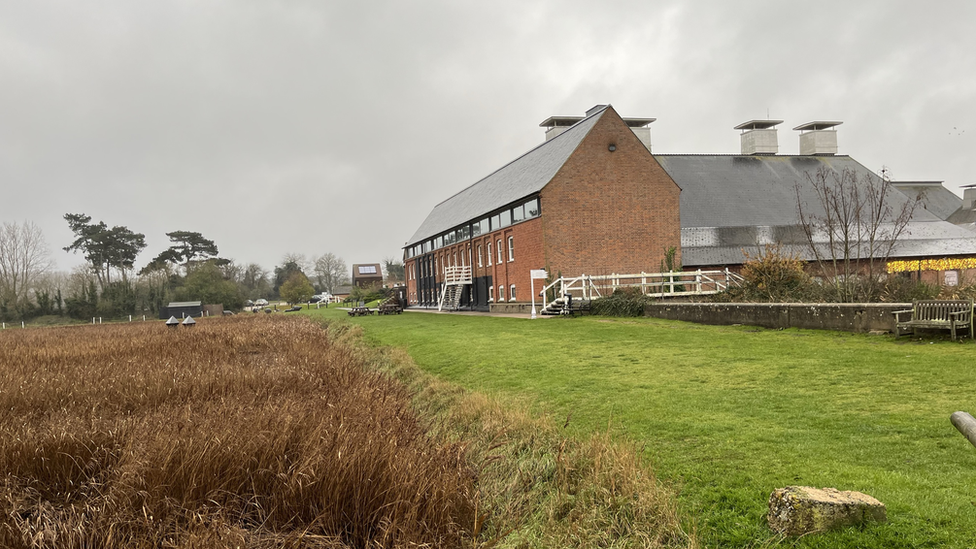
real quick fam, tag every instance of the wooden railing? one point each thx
(669, 284)
(457, 275)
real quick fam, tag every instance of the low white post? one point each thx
(99, 320)
(22, 324)
(93, 321)
(532, 285)
(130, 318)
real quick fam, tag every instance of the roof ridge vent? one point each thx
(556, 125)
(759, 137)
(817, 138)
(595, 109)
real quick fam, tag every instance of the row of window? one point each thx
(511, 251)
(511, 257)
(491, 294)
(504, 218)
(501, 293)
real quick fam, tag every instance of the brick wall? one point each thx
(609, 212)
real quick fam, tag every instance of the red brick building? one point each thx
(592, 199)
(589, 200)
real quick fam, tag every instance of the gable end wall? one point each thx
(609, 212)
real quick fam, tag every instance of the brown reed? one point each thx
(240, 432)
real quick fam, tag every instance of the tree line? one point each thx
(108, 284)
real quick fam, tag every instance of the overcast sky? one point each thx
(318, 126)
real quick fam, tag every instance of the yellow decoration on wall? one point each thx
(947, 264)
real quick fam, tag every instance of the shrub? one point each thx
(773, 275)
(622, 302)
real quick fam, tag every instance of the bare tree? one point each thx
(24, 258)
(852, 225)
(301, 260)
(330, 272)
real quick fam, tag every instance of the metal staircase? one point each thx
(455, 279)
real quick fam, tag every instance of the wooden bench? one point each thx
(389, 309)
(939, 314)
(360, 311)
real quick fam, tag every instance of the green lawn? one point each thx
(728, 414)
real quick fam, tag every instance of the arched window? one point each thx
(511, 248)
(479, 255)
(489, 253)
(501, 293)
(511, 293)
(491, 294)
(499, 251)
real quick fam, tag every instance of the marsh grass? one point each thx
(247, 431)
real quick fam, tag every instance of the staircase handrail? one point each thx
(666, 284)
(459, 274)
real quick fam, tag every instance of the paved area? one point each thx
(475, 313)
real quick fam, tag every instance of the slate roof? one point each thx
(731, 203)
(934, 197)
(728, 202)
(520, 178)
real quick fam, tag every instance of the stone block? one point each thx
(799, 510)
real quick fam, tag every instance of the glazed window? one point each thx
(499, 252)
(518, 214)
(511, 248)
(511, 293)
(491, 294)
(506, 218)
(501, 293)
(479, 256)
(489, 253)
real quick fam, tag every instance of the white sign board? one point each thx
(538, 273)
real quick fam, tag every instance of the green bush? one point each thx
(622, 302)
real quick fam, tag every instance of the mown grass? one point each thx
(537, 486)
(727, 414)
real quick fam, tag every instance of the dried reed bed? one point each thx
(538, 487)
(239, 432)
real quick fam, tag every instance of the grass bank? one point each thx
(727, 414)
